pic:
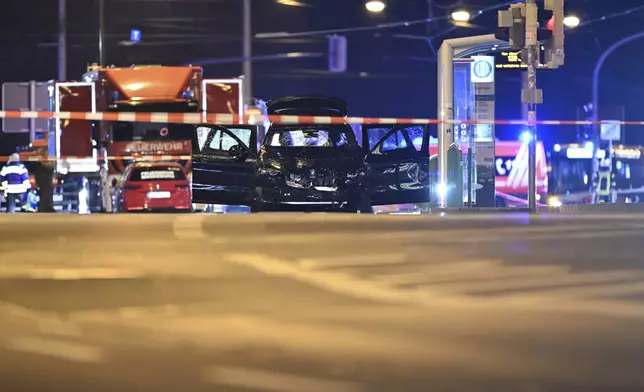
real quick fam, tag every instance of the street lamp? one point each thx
(375, 6)
(571, 21)
(461, 16)
(291, 3)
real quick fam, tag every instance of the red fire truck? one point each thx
(81, 148)
(511, 166)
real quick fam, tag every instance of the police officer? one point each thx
(44, 174)
(14, 180)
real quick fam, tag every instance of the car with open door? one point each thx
(398, 158)
(310, 167)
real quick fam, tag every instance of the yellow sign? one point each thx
(510, 60)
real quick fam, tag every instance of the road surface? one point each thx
(308, 303)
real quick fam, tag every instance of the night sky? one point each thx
(388, 75)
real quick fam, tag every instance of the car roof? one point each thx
(308, 105)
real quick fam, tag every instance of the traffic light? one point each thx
(337, 53)
(554, 46)
(521, 18)
(512, 26)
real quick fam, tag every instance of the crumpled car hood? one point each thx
(306, 158)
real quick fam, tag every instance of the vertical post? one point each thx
(524, 86)
(32, 106)
(470, 166)
(248, 52)
(62, 40)
(446, 116)
(596, 132)
(101, 32)
(532, 49)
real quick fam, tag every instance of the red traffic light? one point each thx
(550, 25)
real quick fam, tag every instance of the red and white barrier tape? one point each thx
(109, 158)
(223, 118)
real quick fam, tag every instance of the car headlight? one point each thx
(554, 202)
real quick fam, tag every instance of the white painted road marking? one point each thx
(468, 271)
(598, 292)
(542, 282)
(519, 233)
(74, 352)
(342, 283)
(278, 382)
(67, 273)
(354, 261)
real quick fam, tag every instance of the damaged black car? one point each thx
(310, 167)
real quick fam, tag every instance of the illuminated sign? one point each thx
(135, 35)
(627, 153)
(138, 147)
(583, 153)
(509, 60)
(482, 69)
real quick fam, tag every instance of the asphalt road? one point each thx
(308, 303)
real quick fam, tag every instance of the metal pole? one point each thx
(525, 115)
(101, 32)
(533, 63)
(598, 67)
(470, 165)
(62, 40)
(524, 86)
(532, 128)
(445, 114)
(248, 52)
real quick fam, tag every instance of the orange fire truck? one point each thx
(81, 148)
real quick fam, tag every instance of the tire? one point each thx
(361, 207)
(257, 205)
(365, 206)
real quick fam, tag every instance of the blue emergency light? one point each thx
(135, 35)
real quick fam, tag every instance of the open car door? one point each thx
(223, 164)
(399, 159)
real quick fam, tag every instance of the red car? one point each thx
(153, 186)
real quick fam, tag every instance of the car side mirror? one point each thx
(238, 153)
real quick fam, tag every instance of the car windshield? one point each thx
(157, 173)
(311, 136)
